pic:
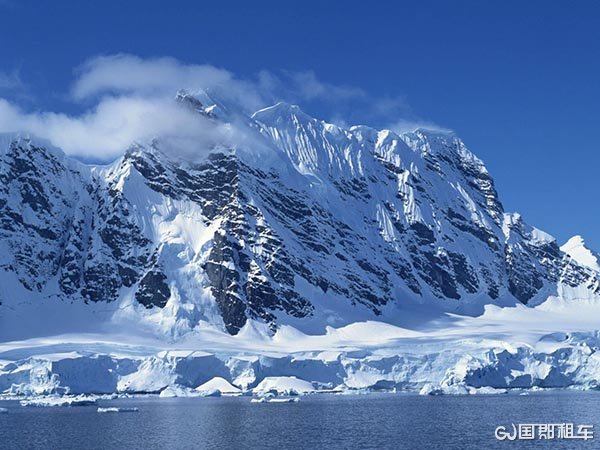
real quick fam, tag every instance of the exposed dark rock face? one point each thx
(153, 290)
(32, 201)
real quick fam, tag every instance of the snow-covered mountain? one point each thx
(286, 220)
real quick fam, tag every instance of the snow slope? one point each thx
(576, 249)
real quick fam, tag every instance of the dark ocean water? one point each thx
(378, 421)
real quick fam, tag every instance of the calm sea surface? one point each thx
(377, 421)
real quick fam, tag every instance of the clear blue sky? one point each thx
(519, 81)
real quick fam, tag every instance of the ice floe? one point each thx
(80, 400)
(117, 410)
(275, 400)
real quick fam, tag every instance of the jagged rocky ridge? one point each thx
(304, 223)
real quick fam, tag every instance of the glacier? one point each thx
(282, 252)
(498, 351)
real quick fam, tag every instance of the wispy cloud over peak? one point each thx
(127, 98)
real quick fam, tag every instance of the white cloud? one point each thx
(128, 74)
(309, 87)
(114, 124)
(404, 126)
(132, 99)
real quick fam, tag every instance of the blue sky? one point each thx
(518, 81)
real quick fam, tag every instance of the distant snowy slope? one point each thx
(576, 249)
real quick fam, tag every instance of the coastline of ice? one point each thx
(465, 368)
(497, 354)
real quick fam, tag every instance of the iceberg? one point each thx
(219, 384)
(284, 386)
(275, 400)
(210, 393)
(117, 410)
(284, 400)
(177, 391)
(80, 400)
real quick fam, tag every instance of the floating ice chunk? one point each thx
(3, 411)
(220, 384)
(275, 400)
(168, 392)
(486, 390)
(209, 393)
(177, 391)
(284, 400)
(430, 389)
(117, 410)
(284, 386)
(458, 389)
(79, 400)
(181, 391)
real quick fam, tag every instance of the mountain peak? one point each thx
(279, 110)
(201, 102)
(575, 247)
(26, 139)
(433, 132)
